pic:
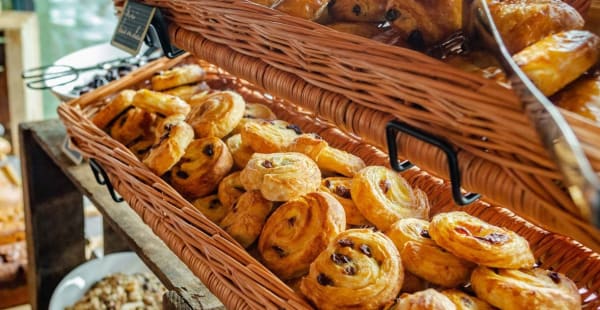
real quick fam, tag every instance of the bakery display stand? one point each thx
(53, 191)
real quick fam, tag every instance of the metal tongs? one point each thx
(558, 138)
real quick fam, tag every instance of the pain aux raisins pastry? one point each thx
(360, 269)
(216, 114)
(211, 207)
(477, 241)
(186, 92)
(205, 163)
(247, 217)
(241, 152)
(339, 188)
(306, 9)
(183, 75)
(281, 176)
(230, 189)
(160, 103)
(298, 231)
(119, 104)
(255, 112)
(358, 10)
(464, 301)
(174, 136)
(132, 125)
(269, 136)
(582, 97)
(428, 299)
(525, 289)
(384, 197)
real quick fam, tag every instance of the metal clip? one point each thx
(392, 130)
(158, 33)
(102, 179)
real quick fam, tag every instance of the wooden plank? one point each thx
(158, 257)
(54, 218)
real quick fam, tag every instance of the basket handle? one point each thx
(102, 179)
(392, 129)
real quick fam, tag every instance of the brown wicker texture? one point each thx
(360, 84)
(225, 267)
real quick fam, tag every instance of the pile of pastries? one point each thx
(545, 38)
(342, 234)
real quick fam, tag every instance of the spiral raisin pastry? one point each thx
(269, 136)
(211, 207)
(253, 112)
(298, 231)
(173, 137)
(421, 256)
(358, 10)
(428, 299)
(230, 189)
(178, 76)
(281, 176)
(131, 125)
(241, 152)
(582, 97)
(384, 197)
(205, 163)
(114, 108)
(559, 59)
(328, 158)
(363, 29)
(412, 283)
(217, 115)
(307, 9)
(464, 301)
(360, 269)
(246, 218)
(525, 289)
(141, 146)
(475, 240)
(340, 189)
(162, 104)
(186, 92)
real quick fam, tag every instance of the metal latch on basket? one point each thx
(392, 130)
(102, 179)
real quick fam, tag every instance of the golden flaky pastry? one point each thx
(464, 301)
(339, 188)
(255, 112)
(525, 289)
(582, 97)
(422, 257)
(358, 10)
(412, 283)
(246, 218)
(281, 176)
(119, 104)
(384, 197)
(141, 146)
(162, 104)
(205, 163)
(559, 59)
(230, 189)
(475, 240)
(363, 29)
(217, 114)
(269, 136)
(186, 92)
(428, 299)
(173, 137)
(360, 269)
(307, 9)
(298, 231)
(211, 207)
(328, 158)
(241, 152)
(178, 76)
(131, 125)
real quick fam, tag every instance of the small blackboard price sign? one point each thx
(133, 26)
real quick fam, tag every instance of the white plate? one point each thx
(74, 285)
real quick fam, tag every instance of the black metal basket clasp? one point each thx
(392, 130)
(102, 179)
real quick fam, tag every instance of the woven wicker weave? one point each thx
(228, 270)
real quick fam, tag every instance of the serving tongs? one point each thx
(556, 135)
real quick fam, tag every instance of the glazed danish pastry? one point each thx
(269, 136)
(477, 241)
(131, 125)
(162, 104)
(582, 97)
(329, 159)
(241, 152)
(281, 176)
(247, 217)
(205, 163)
(422, 257)
(178, 76)
(114, 108)
(173, 138)
(298, 231)
(384, 197)
(524, 22)
(525, 289)
(358, 10)
(217, 115)
(559, 59)
(186, 92)
(464, 301)
(428, 299)
(360, 269)
(307, 9)
(211, 207)
(340, 189)
(230, 189)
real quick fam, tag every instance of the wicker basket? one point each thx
(360, 85)
(234, 276)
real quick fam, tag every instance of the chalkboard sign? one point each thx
(133, 26)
